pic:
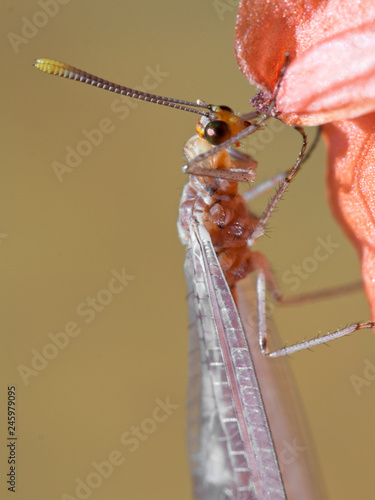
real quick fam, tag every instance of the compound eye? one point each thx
(227, 108)
(217, 132)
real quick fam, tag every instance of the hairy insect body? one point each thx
(222, 210)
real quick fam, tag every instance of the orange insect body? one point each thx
(223, 211)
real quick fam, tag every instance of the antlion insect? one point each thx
(231, 447)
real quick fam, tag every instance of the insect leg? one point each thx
(259, 229)
(262, 325)
(265, 186)
(233, 175)
(268, 184)
(319, 295)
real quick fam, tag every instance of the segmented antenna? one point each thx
(66, 71)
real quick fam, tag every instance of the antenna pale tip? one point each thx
(52, 67)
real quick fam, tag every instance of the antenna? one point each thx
(63, 70)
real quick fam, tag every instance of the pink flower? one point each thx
(330, 81)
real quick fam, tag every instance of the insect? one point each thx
(231, 446)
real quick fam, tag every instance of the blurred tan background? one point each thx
(118, 209)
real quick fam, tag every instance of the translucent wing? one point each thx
(231, 449)
(293, 443)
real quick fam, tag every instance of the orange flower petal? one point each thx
(331, 76)
(351, 181)
(333, 80)
(325, 39)
(263, 37)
